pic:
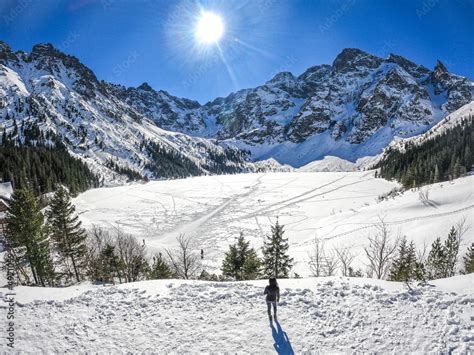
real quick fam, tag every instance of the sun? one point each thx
(209, 28)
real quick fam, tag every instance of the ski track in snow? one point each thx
(390, 223)
(317, 315)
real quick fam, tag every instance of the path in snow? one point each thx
(195, 227)
(317, 315)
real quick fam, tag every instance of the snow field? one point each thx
(318, 315)
(339, 207)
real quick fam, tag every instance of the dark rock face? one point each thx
(350, 59)
(413, 69)
(166, 110)
(6, 54)
(457, 89)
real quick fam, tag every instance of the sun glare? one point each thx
(209, 28)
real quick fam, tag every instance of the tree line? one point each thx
(442, 158)
(41, 161)
(53, 249)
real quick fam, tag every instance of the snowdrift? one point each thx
(315, 315)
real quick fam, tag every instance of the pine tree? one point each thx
(469, 260)
(451, 247)
(400, 268)
(457, 169)
(111, 266)
(27, 235)
(404, 267)
(67, 234)
(252, 266)
(467, 158)
(420, 271)
(436, 261)
(436, 177)
(276, 261)
(241, 262)
(160, 269)
(231, 265)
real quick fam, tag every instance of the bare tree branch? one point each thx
(331, 263)
(346, 257)
(316, 258)
(380, 251)
(183, 259)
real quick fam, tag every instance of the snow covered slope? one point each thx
(62, 100)
(465, 113)
(316, 315)
(329, 163)
(338, 207)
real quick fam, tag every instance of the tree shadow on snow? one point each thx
(282, 343)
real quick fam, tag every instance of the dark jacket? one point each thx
(273, 293)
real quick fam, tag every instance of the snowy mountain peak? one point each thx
(282, 77)
(440, 67)
(410, 67)
(109, 126)
(352, 58)
(4, 47)
(6, 53)
(145, 87)
(45, 49)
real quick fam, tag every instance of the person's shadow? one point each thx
(282, 343)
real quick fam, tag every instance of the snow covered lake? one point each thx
(340, 207)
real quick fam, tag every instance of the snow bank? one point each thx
(6, 189)
(315, 315)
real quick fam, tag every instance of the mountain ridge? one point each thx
(61, 100)
(356, 106)
(349, 109)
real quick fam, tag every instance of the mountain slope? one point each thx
(456, 118)
(63, 101)
(443, 153)
(349, 109)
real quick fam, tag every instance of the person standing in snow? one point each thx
(273, 296)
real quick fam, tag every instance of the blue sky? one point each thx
(130, 42)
